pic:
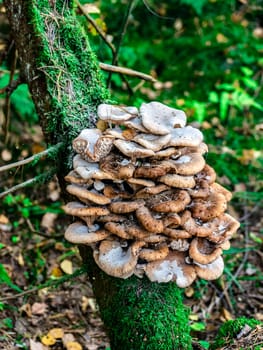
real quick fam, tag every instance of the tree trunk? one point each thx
(66, 85)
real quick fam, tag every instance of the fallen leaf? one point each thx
(48, 221)
(39, 308)
(4, 219)
(226, 314)
(6, 155)
(56, 272)
(36, 345)
(66, 266)
(56, 333)
(73, 345)
(189, 292)
(48, 340)
(68, 337)
(27, 309)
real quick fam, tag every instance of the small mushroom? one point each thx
(74, 178)
(158, 253)
(92, 196)
(132, 149)
(125, 207)
(172, 268)
(210, 271)
(187, 136)
(150, 191)
(179, 181)
(189, 164)
(116, 114)
(147, 220)
(208, 208)
(153, 170)
(204, 252)
(117, 166)
(153, 142)
(79, 233)
(115, 192)
(195, 227)
(118, 229)
(165, 153)
(201, 190)
(176, 233)
(171, 202)
(160, 119)
(224, 227)
(79, 209)
(114, 260)
(88, 170)
(172, 220)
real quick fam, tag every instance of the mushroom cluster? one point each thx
(145, 199)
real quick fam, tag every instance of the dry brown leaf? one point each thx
(39, 308)
(48, 220)
(66, 266)
(27, 309)
(4, 219)
(226, 314)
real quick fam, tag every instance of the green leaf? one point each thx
(250, 83)
(4, 277)
(247, 71)
(197, 5)
(205, 344)
(198, 326)
(224, 103)
(213, 97)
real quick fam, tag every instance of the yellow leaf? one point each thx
(56, 272)
(220, 38)
(48, 340)
(73, 345)
(90, 8)
(56, 333)
(66, 266)
(226, 314)
(102, 125)
(4, 220)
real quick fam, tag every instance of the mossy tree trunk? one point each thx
(66, 85)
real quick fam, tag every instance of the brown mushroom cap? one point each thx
(187, 136)
(79, 209)
(172, 220)
(189, 164)
(115, 192)
(172, 268)
(208, 174)
(114, 260)
(181, 244)
(125, 206)
(160, 119)
(210, 271)
(158, 253)
(208, 208)
(132, 149)
(118, 166)
(179, 181)
(147, 220)
(194, 227)
(153, 142)
(224, 227)
(74, 178)
(79, 233)
(165, 153)
(170, 202)
(217, 188)
(204, 252)
(154, 169)
(201, 190)
(150, 191)
(83, 193)
(116, 114)
(140, 182)
(118, 229)
(175, 233)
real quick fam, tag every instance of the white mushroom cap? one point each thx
(89, 170)
(153, 142)
(116, 114)
(161, 119)
(187, 136)
(210, 271)
(114, 260)
(79, 233)
(172, 268)
(132, 149)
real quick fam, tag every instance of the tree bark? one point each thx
(66, 85)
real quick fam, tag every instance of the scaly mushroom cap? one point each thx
(154, 169)
(114, 260)
(209, 208)
(147, 220)
(170, 201)
(160, 119)
(135, 124)
(189, 164)
(83, 193)
(224, 227)
(74, 178)
(79, 233)
(116, 114)
(117, 166)
(208, 174)
(157, 253)
(181, 245)
(118, 229)
(179, 181)
(204, 252)
(195, 227)
(217, 188)
(187, 136)
(79, 209)
(210, 271)
(172, 268)
(125, 207)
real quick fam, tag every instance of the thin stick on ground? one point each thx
(36, 157)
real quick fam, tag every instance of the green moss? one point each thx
(229, 330)
(139, 314)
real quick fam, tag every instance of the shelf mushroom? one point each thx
(148, 202)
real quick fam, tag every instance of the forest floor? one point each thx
(43, 306)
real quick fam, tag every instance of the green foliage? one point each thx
(5, 279)
(229, 330)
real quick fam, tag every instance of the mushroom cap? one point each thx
(189, 164)
(224, 227)
(165, 153)
(172, 220)
(153, 142)
(207, 173)
(115, 192)
(132, 149)
(160, 119)
(124, 207)
(176, 233)
(135, 124)
(150, 191)
(147, 220)
(181, 244)
(179, 181)
(208, 208)
(204, 252)
(92, 195)
(172, 268)
(92, 144)
(79, 233)
(187, 136)
(170, 201)
(118, 166)
(210, 271)
(118, 229)
(154, 169)
(79, 209)
(194, 227)
(88, 170)
(140, 182)
(217, 188)
(116, 114)
(114, 260)
(74, 178)
(201, 190)
(157, 253)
